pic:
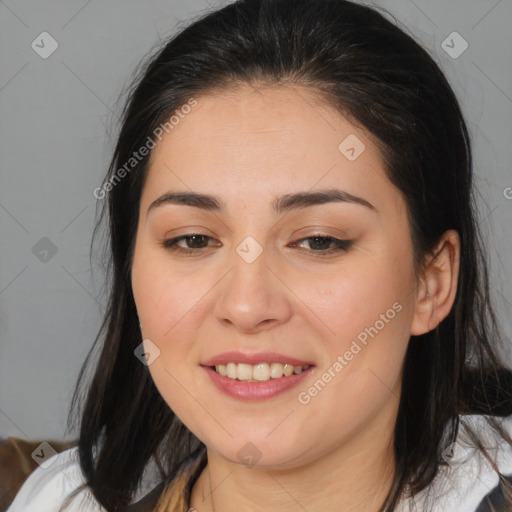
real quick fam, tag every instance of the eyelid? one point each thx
(167, 241)
(340, 245)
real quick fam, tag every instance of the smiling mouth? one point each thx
(258, 373)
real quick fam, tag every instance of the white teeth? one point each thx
(276, 370)
(231, 370)
(259, 372)
(288, 369)
(244, 372)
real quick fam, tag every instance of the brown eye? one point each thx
(195, 242)
(325, 244)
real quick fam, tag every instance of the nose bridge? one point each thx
(252, 295)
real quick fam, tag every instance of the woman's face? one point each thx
(261, 279)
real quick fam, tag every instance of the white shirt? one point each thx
(46, 489)
(459, 487)
(463, 485)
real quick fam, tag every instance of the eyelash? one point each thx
(340, 245)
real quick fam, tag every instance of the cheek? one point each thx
(169, 306)
(352, 301)
(162, 296)
(368, 313)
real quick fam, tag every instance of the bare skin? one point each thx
(334, 451)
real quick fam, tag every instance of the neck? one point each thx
(354, 477)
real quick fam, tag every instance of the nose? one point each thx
(253, 296)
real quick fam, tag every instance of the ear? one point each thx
(436, 292)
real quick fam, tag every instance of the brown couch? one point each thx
(18, 458)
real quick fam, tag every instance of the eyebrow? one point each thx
(280, 205)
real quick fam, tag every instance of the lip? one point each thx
(245, 390)
(253, 359)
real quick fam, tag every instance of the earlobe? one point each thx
(437, 289)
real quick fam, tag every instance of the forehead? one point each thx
(244, 117)
(263, 142)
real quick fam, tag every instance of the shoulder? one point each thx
(47, 489)
(469, 482)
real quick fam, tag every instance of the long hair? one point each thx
(377, 76)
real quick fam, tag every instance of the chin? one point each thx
(260, 452)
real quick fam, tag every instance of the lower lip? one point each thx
(245, 390)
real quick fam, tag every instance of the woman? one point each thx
(299, 315)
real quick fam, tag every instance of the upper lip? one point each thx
(255, 358)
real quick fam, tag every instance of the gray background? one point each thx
(55, 117)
